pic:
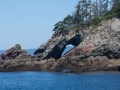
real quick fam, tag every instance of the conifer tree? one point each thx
(87, 14)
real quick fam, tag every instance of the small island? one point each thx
(93, 30)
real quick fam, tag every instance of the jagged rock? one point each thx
(54, 47)
(15, 53)
(103, 41)
(89, 64)
(97, 51)
(107, 50)
(90, 44)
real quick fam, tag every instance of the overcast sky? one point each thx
(30, 22)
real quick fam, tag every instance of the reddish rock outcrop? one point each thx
(15, 53)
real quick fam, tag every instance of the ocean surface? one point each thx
(30, 80)
(59, 81)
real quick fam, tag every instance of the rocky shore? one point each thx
(95, 50)
(81, 65)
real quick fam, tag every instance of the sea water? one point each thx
(59, 81)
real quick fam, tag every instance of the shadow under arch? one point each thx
(56, 52)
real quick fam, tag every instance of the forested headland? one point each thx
(88, 13)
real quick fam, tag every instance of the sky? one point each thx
(30, 22)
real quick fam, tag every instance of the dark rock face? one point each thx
(54, 47)
(106, 50)
(15, 53)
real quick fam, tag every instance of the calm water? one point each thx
(59, 81)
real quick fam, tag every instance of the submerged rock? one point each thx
(71, 71)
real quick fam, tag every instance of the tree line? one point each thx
(88, 13)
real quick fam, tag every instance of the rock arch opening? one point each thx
(55, 47)
(67, 49)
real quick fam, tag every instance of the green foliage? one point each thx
(18, 46)
(89, 13)
(66, 24)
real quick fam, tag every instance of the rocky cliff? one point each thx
(101, 41)
(54, 47)
(95, 50)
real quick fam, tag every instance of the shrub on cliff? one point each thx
(18, 46)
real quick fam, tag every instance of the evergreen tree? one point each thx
(78, 15)
(68, 22)
(88, 13)
(105, 6)
(116, 4)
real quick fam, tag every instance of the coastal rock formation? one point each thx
(54, 47)
(107, 50)
(96, 50)
(102, 41)
(15, 53)
(98, 63)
